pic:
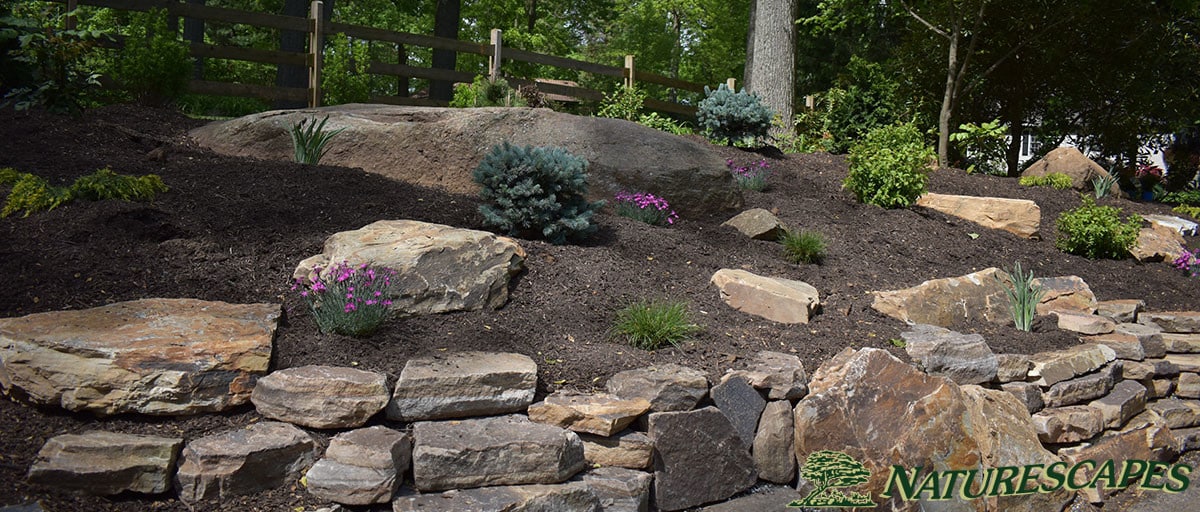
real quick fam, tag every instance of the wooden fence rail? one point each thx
(318, 29)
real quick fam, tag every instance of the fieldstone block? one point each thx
(1120, 311)
(1177, 413)
(781, 375)
(567, 497)
(463, 385)
(1185, 362)
(1186, 439)
(779, 300)
(773, 450)
(1157, 244)
(1149, 335)
(321, 396)
(698, 458)
(1012, 367)
(758, 224)
(1052, 367)
(1180, 225)
(259, 457)
(1082, 389)
(963, 358)
(1135, 370)
(1084, 324)
(668, 387)
(1160, 388)
(1065, 294)
(741, 404)
(1181, 343)
(1069, 424)
(1021, 217)
(628, 449)
(106, 463)
(978, 296)
(619, 489)
(1028, 393)
(1188, 385)
(498, 450)
(1184, 322)
(601, 414)
(361, 467)
(1151, 442)
(1126, 347)
(1126, 400)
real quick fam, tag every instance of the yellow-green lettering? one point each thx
(1107, 472)
(1071, 485)
(1178, 474)
(1152, 471)
(1131, 471)
(1027, 475)
(907, 483)
(1003, 484)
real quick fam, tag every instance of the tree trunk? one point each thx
(193, 32)
(530, 14)
(952, 77)
(445, 24)
(774, 70)
(747, 71)
(289, 75)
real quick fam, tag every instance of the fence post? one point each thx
(494, 60)
(71, 6)
(629, 82)
(730, 82)
(401, 81)
(316, 54)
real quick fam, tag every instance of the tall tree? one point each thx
(445, 24)
(774, 67)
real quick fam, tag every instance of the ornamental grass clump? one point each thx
(1102, 185)
(645, 207)
(309, 140)
(349, 300)
(650, 325)
(752, 176)
(1023, 297)
(1096, 231)
(803, 246)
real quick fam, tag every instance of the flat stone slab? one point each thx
(1177, 413)
(977, 296)
(463, 385)
(1182, 322)
(1068, 424)
(1180, 225)
(1084, 388)
(779, 300)
(321, 396)
(259, 457)
(1126, 347)
(963, 358)
(1181, 343)
(1084, 324)
(148, 356)
(619, 489)
(1120, 311)
(1059, 365)
(498, 450)
(1126, 400)
(1065, 293)
(567, 497)
(598, 414)
(758, 224)
(1017, 216)
(781, 375)
(668, 387)
(107, 463)
(1185, 362)
(628, 449)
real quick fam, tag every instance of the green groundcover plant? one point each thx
(650, 325)
(349, 300)
(1095, 231)
(1055, 180)
(32, 194)
(803, 246)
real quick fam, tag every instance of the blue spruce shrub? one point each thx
(536, 192)
(733, 116)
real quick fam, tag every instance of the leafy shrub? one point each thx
(1055, 180)
(803, 246)
(154, 66)
(1096, 231)
(105, 184)
(650, 325)
(309, 140)
(8, 176)
(866, 100)
(1023, 297)
(645, 207)
(624, 103)
(348, 300)
(733, 117)
(984, 146)
(52, 65)
(806, 135)
(664, 124)
(1102, 185)
(888, 167)
(1189, 262)
(1189, 197)
(32, 194)
(750, 176)
(345, 78)
(536, 192)
(1192, 211)
(483, 92)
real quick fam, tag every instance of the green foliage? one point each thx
(345, 78)
(1023, 297)
(866, 101)
(624, 103)
(803, 246)
(665, 124)
(8, 176)
(536, 192)
(1192, 211)
(1102, 185)
(733, 117)
(649, 325)
(1095, 231)
(349, 300)
(1190, 197)
(32, 194)
(53, 61)
(309, 140)
(486, 93)
(106, 184)
(984, 146)
(1055, 180)
(888, 167)
(154, 66)
(807, 133)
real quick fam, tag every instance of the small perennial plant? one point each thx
(347, 299)
(1023, 297)
(645, 207)
(1189, 262)
(752, 176)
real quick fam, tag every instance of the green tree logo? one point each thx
(831, 470)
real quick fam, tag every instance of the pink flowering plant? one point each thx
(347, 299)
(1189, 262)
(1148, 175)
(645, 207)
(752, 176)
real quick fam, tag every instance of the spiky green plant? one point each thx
(309, 140)
(650, 325)
(803, 246)
(1023, 296)
(1103, 185)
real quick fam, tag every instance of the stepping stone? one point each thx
(601, 414)
(107, 463)
(438, 268)
(758, 224)
(699, 459)
(628, 449)
(779, 300)
(773, 447)
(463, 385)
(257, 458)
(321, 396)
(619, 489)
(1017, 216)
(499, 450)
(361, 467)
(963, 358)
(668, 387)
(568, 497)
(164, 357)
(781, 375)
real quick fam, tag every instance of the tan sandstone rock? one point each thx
(758, 224)
(599, 414)
(780, 300)
(1018, 216)
(321, 396)
(1070, 161)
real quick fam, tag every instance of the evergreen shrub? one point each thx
(536, 192)
(733, 116)
(888, 167)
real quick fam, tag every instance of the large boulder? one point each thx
(107, 463)
(439, 147)
(945, 302)
(1017, 216)
(1069, 161)
(149, 356)
(438, 268)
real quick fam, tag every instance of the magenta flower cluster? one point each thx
(1189, 262)
(347, 299)
(1148, 173)
(752, 176)
(645, 207)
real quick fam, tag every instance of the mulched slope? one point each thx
(233, 229)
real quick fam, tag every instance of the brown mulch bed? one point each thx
(233, 229)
